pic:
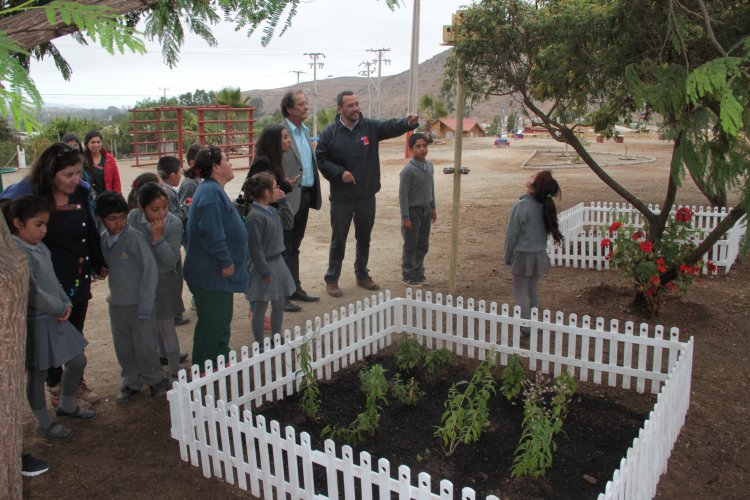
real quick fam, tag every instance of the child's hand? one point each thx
(65, 315)
(293, 180)
(188, 201)
(277, 194)
(434, 215)
(406, 224)
(157, 228)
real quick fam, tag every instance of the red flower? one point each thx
(683, 214)
(638, 235)
(655, 280)
(606, 242)
(671, 286)
(614, 227)
(188, 201)
(646, 246)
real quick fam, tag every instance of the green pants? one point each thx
(213, 328)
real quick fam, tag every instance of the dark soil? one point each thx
(597, 432)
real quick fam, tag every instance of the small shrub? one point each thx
(309, 390)
(409, 353)
(407, 393)
(436, 359)
(545, 407)
(513, 378)
(466, 414)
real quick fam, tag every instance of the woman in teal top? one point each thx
(217, 256)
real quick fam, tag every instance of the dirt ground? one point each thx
(127, 452)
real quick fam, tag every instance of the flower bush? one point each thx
(646, 261)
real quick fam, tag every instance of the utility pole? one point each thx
(380, 66)
(164, 99)
(315, 65)
(413, 72)
(368, 72)
(299, 73)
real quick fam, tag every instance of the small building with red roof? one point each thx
(446, 128)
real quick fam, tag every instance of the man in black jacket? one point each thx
(348, 157)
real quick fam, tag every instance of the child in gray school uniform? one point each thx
(416, 196)
(270, 279)
(133, 278)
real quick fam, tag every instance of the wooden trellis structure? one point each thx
(161, 131)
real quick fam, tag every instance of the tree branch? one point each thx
(710, 29)
(31, 28)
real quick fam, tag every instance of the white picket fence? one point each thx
(214, 422)
(581, 225)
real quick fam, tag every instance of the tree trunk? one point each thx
(14, 283)
(31, 28)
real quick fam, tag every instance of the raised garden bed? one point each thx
(216, 422)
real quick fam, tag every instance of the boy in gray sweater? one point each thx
(133, 277)
(416, 195)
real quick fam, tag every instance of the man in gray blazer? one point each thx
(300, 161)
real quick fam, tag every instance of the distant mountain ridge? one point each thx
(394, 92)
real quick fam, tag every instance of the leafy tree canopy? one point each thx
(686, 63)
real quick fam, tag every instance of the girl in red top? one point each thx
(100, 165)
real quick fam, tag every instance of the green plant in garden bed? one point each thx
(309, 390)
(375, 387)
(513, 376)
(466, 413)
(408, 392)
(436, 359)
(647, 262)
(545, 407)
(409, 353)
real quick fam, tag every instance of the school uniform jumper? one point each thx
(49, 342)
(265, 239)
(167, 254)
(416, 195)
(526, 251)
(133, 279)
(217, 239)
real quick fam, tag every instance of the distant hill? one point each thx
(394, 91)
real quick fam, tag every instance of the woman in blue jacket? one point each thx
(217, 256)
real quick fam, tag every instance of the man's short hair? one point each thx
(415, 137)
(288, 101)
(340, 97)
(167, 166)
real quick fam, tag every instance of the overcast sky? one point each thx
(343, 30)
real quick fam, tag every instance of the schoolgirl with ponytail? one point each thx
(532, 220)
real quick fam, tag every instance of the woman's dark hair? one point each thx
(23, 208)
(255, 186)
(269, 145)
(543, 188)
(148, 192)
(137, 183)
(206, 159)
(70, 137)
(110, 202)
(56, 157)
(167, 166)
(190, 155)
(86, 139)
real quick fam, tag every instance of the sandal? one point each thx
(54, 431)
(78, 413)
